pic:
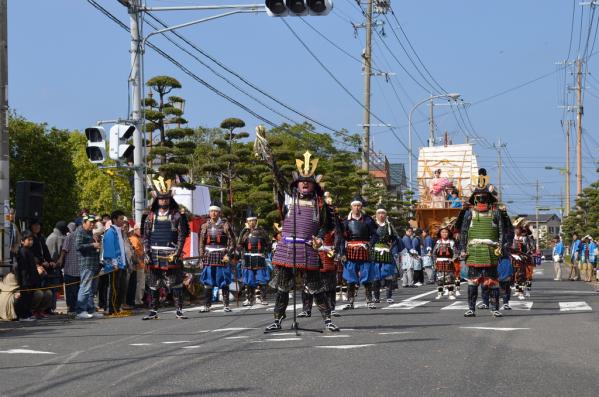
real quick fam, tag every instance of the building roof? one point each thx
(543, 218)
(397, 172)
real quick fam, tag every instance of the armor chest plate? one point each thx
(163, 233)
(445, 250)
(215, 235)
(358, 230)
(482, 226)
(256, 242)
(383, 234)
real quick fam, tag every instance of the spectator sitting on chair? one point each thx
(30, 304)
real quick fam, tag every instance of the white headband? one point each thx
(214, 208)
(356, 202)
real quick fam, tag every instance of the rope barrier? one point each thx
(62, 284)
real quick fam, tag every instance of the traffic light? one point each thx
(297, 7)
(96, 146)
(320, 7)
(282, 8)
(276, 8)
(120, 149)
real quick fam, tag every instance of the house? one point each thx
(549, 225)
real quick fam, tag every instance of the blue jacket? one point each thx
(576, 249)
(417, 245)
(428, 245)
(592, 250)
(407, 243)
(112, 249)
(558, 249)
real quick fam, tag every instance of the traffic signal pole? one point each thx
(4, 156)
(135, 82)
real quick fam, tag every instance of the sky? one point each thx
(69, 65)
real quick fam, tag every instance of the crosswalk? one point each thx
(412, 304)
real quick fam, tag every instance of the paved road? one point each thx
(418, 346)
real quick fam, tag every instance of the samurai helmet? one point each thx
(161, 188)
(306, 172)
(250, 214)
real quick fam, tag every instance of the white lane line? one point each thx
(237, 337)
(406, 305)
(24, 351)
(175, 342)
(140, 344)
(191, 347)
(538, 272)
(345, 347)
(232, 329)
(459, 305)
(574, 306)
(334, 336)
(396, 333)
(504, 329)
(276, 340)
(572, 292)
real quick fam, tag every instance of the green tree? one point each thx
(101, 191)
(584, 218)
(176, 144)
(43, 154)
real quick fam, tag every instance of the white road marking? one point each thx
(459, 305)
(406, 305)
(237, 337)
(345, 347)
(574, 306)
(415, 297)
(334, 336)
(572, 292)
(24, 351)
(140, 344)
(495, 328)
(232, 329)
(276, 340)
(174, 342)
(520, 305)
(396, 333)
(539, 272)
(191, 347)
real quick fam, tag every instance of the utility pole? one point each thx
(367, 76)
(431, 125)
(568, 198)
(4, 156)
(537, 198)
(136, 108)
(499, 146)
(579, 112)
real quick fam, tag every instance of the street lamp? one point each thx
(450, 96)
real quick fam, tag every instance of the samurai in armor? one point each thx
(165, 230)
(360, 235)
(520, 259)
(444, 255)
(481, 241)
(306, 220)
(383, 254)
(329, 253)
(254, 245)
(217, 248)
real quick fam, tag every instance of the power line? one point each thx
(183, 68)
(245, 80)
(343, 87)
